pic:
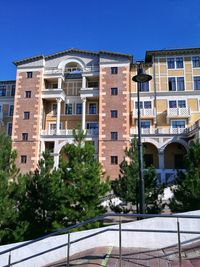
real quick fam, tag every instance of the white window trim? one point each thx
(175, 65)
(178, 120)
(186, 104)
(88, 109)
(143, 104)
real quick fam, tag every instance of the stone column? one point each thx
(58, 115)
(83, 112)
(59, 82)
(161, 160)
(84, 84)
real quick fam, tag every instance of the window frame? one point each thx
(196, 83)
(29, 74)
(67, 105)
(114, 91)
(28, 94)
(196, 62)
(95, 109)
(171, 124)
(112, 112)
(24, 136)
(114, 160)
(26, 115)
(80, 111)
(11, 110)
(114, 70)
(8, 128)
(23, 159)
(113, 136)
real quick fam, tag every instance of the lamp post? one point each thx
(140, 78)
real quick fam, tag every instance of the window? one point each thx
(114, 135)
(114, 160)
(179, 161)
(144, 87)
(145, 104)
(92, 108)
(114, 70)
(23, 159)
(178, 124)
(197, 83)
(79, 108)
(27, 94)
(114, 91)
(170, 63)
(54, 109)
(11, 110)
(172, 104)
(172, 84)
(13, 90)
(175, 104)
(148, 160)
(9, 128)
(93, 127)
(29, 74)
(25, 136)
(68, 109)
(196, 62)
(180, 84)
(141, 105)
(3, 90)
(114, 113)
(179, 62)
(145, 124)
(26, 115)
(181, 103)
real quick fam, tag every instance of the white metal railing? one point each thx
(169, 130)
(66, 132)
(53, 71)
(58, 71)
(73, 70)
(178, 112)
(145, 112)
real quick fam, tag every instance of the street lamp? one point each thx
(140, 78)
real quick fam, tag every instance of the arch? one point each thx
(150, 155)
(63, 63)
(62, 144)
(151, 141)
(179, 141)
(174, 154)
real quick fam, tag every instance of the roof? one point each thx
(70, 51)
(165, 52)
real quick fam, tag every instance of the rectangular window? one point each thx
(170, 63)
(172, 104)
(27, 94)
(145, 124)
(13, 90)
(114, 113)
(23, 159)
(79, 108)
(3, 90)
(11, 110)
(26, 115)
(196, 62)
(172, 84)
(25, 136)
(68, 109)
(114, 160)
(114, 91)
(144, 87)
(179, 62)
(181, 103)
(29, 74)
(197, 83)
(9, 128)
(180, 84)
(92, 108)
(54, 109)
(92, 125)
(147, 104)
(114, 70)
(178, 124)
(141, 105)
(114, 135)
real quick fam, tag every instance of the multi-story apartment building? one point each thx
(55, 93)
(7, 93)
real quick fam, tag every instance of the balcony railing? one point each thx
(178, 112)
(53, 71)
(57, 71)
(68, 132)
(145, 112)
(170, 130)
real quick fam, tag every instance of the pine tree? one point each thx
(82, 174)
(127, 186)
(186, 188)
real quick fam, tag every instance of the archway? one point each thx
(174, 154)
(150, 155)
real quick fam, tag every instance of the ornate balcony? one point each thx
(173, 113)
(89, 92)
(159, 131)
(145, 113)
(53, 93)
(67, 132)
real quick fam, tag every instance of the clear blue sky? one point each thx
(32, 27)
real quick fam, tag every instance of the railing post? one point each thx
(68, 249)
(9, 260)
(179, 242)
(120, 242)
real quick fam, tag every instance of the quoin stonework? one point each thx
(55, 93)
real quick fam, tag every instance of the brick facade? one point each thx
(31, 147)
(121, 124)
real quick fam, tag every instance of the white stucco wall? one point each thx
(129, 239)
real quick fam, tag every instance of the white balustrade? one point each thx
(145, 112)
(178, 112)
(156, 131)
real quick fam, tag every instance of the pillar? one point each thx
(84, 85)
(83, 112)
(58, 115)
(59, 82)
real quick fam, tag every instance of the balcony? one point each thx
(53, 72)
(159, 131)
(68, 132)
(89, 92)
(178, 113)
(53, 93)
(145, 113)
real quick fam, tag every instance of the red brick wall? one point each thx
(107, 102)
(31, 148)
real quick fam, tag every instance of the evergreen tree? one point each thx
(127, 186)
(82, 174)
(186, 188)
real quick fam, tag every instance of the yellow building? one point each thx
(57, 92)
